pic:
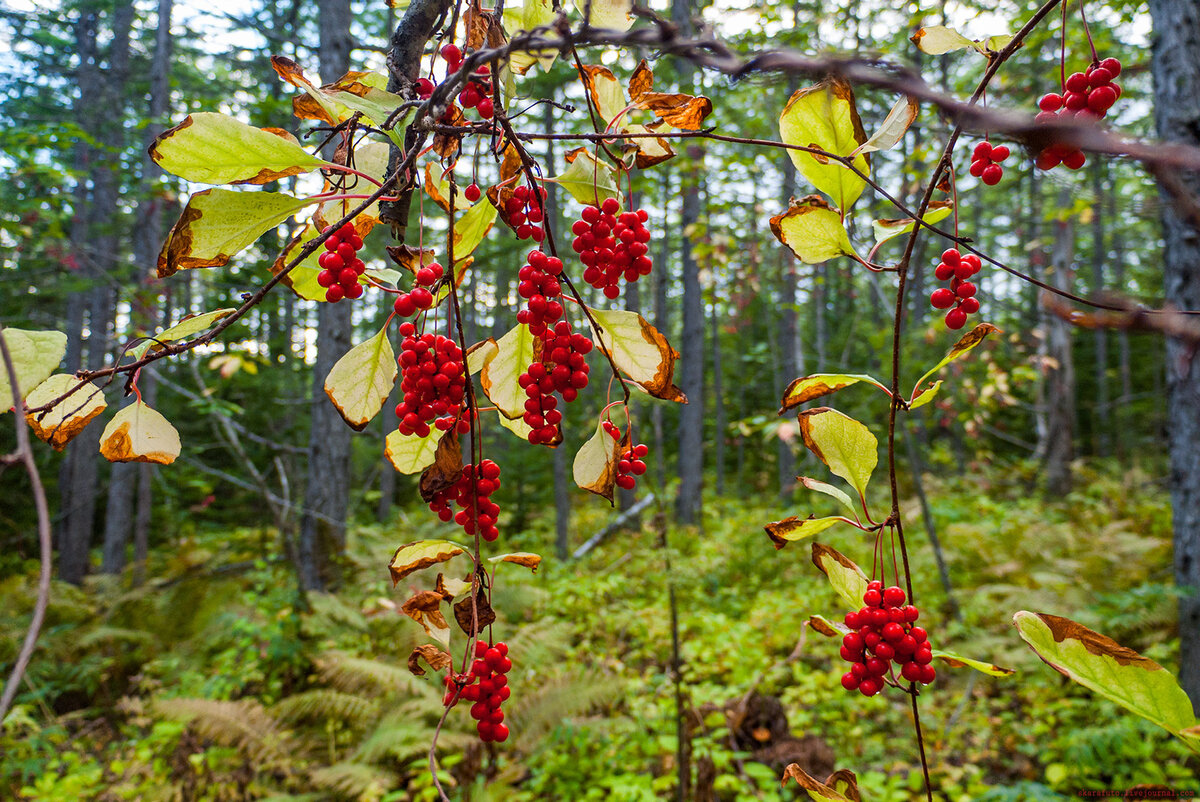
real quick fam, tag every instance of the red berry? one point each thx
(452, 54)
(486, 108)
(850, 681)
(982, 151)
(992, 174)
(499, 733)
(1050, 102)
(1112, 65)
(1076, 82)
(1075, 159)
(956, 319)
(1000, 153)
(893, 597)
(472, 192)
(941, 298)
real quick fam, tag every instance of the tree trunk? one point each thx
(323, 525)
(1100, 419)
(789, 341)
(662, 278)
(1060, 367)
(1176, 72)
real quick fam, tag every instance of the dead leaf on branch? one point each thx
(435, 657)
(462, 612)
(446, 468)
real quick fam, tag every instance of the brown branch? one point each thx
(1129, 317)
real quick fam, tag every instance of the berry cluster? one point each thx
(985, 162)
(611, 245)
(632, 463)
(433, 383)
(956, 269)
(883, 631)
(486, 686)
(340, 265)
(526, 211)
(421, 296)
(563, 369)
(477, 93)
(1085, 95)
(538, 285)
(471, 493)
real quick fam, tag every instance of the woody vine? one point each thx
(402, 139)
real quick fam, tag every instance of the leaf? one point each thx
(301, 279)
(421, 554)
(887, 229)
(1099, 663)
(435, 657)
(362, 380)
(846, 578)
(480, 354)
(35, 355)
(793, 528)
(829, 490)
(639, 351)
(361, 92)
(925, 396)
(807, 388)
(469, 231)
(521, 429)
(994, 44)
(606, 92)
(411, 454)
(219, 223)
(58, 426)
(425, 608)
(446, 468)
(610, 14)
(595, 466)
(217, 149)
(938, 39)
(818, 790)
(588, 180)
(969, 340)
(439, 190)
(650, 150)
(846, 446)
(192, 324)
(483, 613)
(525, 558)
(139, 434)
(529, 15)
(824, 116)
(514, 353)
(813, 230)
(830, 629)
(894, 125)
(685, 112)
(958, 661)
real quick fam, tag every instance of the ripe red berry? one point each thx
(992, 174)
(942, 298)
(1050, 102)
(472, 192)
(956, 319)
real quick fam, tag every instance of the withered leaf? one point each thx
(462, 612)
(446, 468)
(435, 657)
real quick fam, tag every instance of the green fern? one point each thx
(244, 725)
(324, 703)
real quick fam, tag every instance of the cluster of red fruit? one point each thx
(630, 464)
(883, 631)
(1085, 95)
(340, 265)
(985, 162)
(537, 283)
(526, 211)
(486, 686)
(421, 296)
(563, 369)
(956, 269)
(471, 493)
(611, 245)
(433, 383)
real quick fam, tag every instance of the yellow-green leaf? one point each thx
(422, 554)
(608, 96)
(193, 324)
(813, 230)
(35, 355)
(824, 116)
(514, 354)
(218, 223)
(793, 528)
(409, 453)
(217, 149)
(139, 434)
(611, 14)
(517, 426)
(968, 341)
(958, 661)
(938, 39)
(362, 379)
(471, 228)
(846, 446)
(829, 490)
(69, 417)
(639, 351)
(888, 228)
(525, 558)
(527, 16)
(925, 396)
(595, 466)
(846, 578)
(480, 354)
(806, 388)
(1100, 664)
(830, 629)
(894, 125)
(301, 279)
(588, 180)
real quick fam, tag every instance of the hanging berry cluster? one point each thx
(1086, 96)
(471, 493)
(537, 283)
(883, 632)
(421, 296)
(340, 265)
(486, 686)
(631, 463)
(562, 369)
(433, 383)
(985, 162)
(956, 269)
(611, 245)
(526, 212)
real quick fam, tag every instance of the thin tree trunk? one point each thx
(1176, 74)
(662, 277)
(1124, 436)
(323, 525)
(691, 347)
(1060, 370)
(790, 355)
(1101, 420)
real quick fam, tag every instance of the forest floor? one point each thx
(214, 682)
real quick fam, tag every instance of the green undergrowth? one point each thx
(219, 682)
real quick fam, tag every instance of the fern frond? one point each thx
(537, 711)
(243, 724)
(324, 703)
(355, 780)
(351, 674)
